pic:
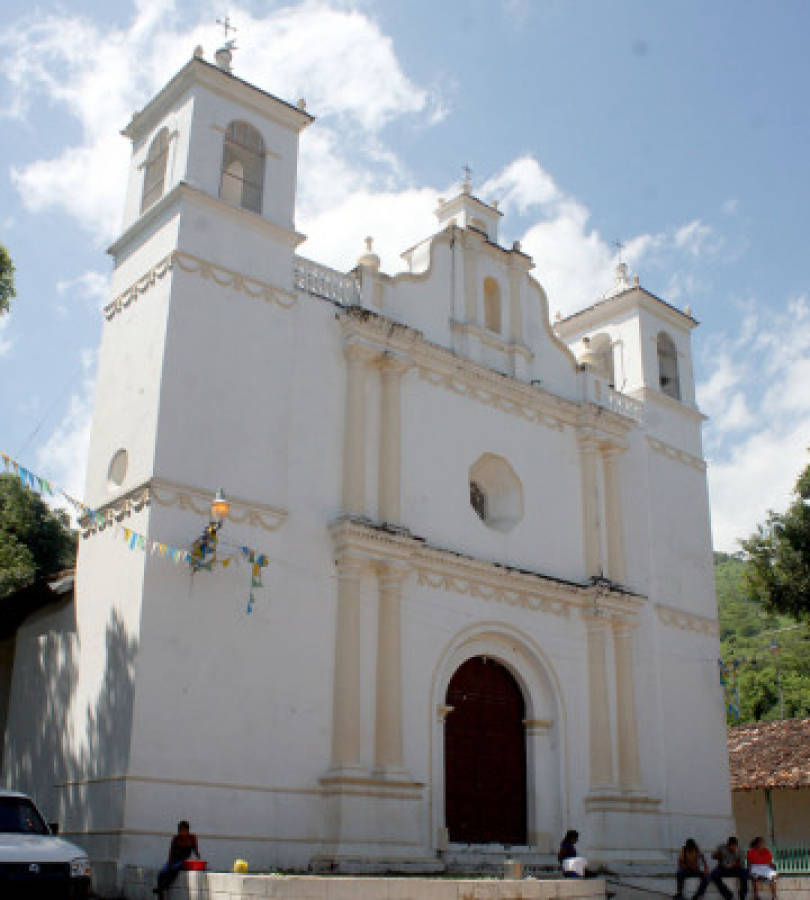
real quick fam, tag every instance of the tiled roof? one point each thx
(770, 755)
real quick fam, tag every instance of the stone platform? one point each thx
(138, 884)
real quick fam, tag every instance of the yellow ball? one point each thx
(240, 866)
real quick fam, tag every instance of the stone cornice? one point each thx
(622, 802)
(633, 297)
(162, 492)
(169, 204)
(210, 271)
(491, 339)
(440, 366)
(687, 621)
(674, 453)
(366, 544)
(647, 395)
(223, 83)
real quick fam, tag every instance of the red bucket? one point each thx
(195, 865)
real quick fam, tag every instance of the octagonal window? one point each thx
(496, 494)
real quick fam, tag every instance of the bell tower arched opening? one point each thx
(485, 755)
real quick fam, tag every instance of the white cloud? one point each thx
(759, 429)
(63, 456)
(337, 57)
(5, 341)
(90, 285)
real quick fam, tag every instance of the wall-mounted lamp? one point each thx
(220, 508)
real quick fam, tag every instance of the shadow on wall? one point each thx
(43, 755)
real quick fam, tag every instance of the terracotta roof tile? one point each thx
(770, 755)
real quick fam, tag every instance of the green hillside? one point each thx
(747, 630)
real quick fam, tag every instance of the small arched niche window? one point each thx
(242, 181)
(601, 351)
(668, 366)
(492, 305)
(154, 173)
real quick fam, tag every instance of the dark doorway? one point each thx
(485, 756)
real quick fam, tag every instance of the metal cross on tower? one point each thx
(467, 183)
(226, 25)
(619, 247)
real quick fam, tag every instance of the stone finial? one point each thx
(369, 260)
(516, 246)
(558, 316)
(198, 52)
(622, 282)
(301, 103)
(224, 55)
(635, 281)
(688, 310)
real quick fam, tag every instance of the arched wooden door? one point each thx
(485, 756)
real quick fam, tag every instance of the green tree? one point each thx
(35, 541)
(7, 290)
(762, 649)
(778, 570)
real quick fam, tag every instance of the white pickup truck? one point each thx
(34, 862)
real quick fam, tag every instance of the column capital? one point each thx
(391, 574)
(611, 450)
(390, 363)
(352, 564)
(355, 350)
(623, 629)
(587, 441)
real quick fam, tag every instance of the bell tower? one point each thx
(212, 182)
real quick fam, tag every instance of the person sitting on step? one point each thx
(730, 864)
(572, 864)
(761, 867)
(183, 844)
(692, 864)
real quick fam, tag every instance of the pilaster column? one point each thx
(388, 719)
(515, 317)
(627, 734)
(614, 524)
(346, 687)
(588, 452)
(600, 741)
(391, 370)
(354, 433)
(471, 313)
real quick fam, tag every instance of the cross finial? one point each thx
(226, 25)
(619, 247)
(467, 185)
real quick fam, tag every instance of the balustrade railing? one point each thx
(602, 394)
(793, 860)
(321, 281)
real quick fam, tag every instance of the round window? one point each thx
(118, 469)
(496, 494)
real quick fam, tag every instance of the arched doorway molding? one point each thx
(547, 773)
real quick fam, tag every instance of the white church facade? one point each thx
(488, 614)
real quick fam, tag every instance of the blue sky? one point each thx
(679, 128)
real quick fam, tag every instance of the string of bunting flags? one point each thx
(201, 557)
(40, 485)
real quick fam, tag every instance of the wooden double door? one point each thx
(485, 755)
